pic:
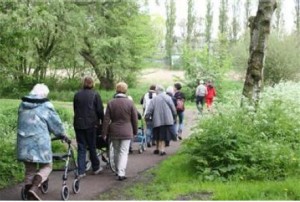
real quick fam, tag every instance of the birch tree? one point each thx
(260, 26)
(170, 24)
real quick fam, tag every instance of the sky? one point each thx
(288, 12)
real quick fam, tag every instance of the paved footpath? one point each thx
(93, 185)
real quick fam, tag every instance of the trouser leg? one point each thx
(44, 171)
(122, 156)
(81, 148)
(91, 143)
(30, 170)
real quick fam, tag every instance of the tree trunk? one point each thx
(106, 79)
(259, 30)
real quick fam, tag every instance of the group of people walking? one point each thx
(37, 118)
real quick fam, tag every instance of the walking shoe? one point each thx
(163, 153)
(156, 151)
(121, 178)
(32, 193)
(148, 144)
(26, 188)
(98, 171)
(81, 176)
(179, 137)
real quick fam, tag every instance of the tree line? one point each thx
(110, 37)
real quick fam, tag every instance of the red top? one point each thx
(211, 92)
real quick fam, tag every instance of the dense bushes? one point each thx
(242, 144)
(11, 170)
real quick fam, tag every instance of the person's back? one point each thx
(211, 93)
(201, 90)
(121, 113)
(88, 112)
(148, 97)
(37, 118)
(180, 99)
(88, 109)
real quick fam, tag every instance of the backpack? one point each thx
(179, 105)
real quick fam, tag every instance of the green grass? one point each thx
(174, 180)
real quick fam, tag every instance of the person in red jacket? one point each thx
(211, 93)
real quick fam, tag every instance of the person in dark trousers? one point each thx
(37, 119)
(88, 115)
(180, 112)
(201, 92)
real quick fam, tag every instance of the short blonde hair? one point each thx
(121, 87)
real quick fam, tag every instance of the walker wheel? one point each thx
(64, 193)
(140, 149)
(76, 186)
(88, 165)
(45, 186)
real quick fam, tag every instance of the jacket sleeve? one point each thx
(99, 107)
(53, 120)
(134, 119)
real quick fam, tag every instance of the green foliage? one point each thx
(65, 38)
(281, 62)
(202, 65)
(282, 59)
(239, 143)
(11, 170)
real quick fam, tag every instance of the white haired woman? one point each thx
(37, 118)
(162, 110)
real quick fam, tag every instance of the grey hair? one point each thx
(170, 90)
(40, 90)
(159, 89)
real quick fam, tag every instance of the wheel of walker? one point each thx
(140, 149)
(65, 193)
(111, 158)
(45, 186)
(23, 194)
(88, 165)
(76, 186)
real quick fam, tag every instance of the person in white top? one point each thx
(145, 101)
(201, 92)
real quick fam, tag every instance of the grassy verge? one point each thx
(173, 180)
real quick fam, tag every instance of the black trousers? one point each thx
(86, 138)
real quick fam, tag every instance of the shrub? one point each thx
(239, 143)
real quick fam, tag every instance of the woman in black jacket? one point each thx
(88, 114)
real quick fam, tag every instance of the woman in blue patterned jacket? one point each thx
(37, 118)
